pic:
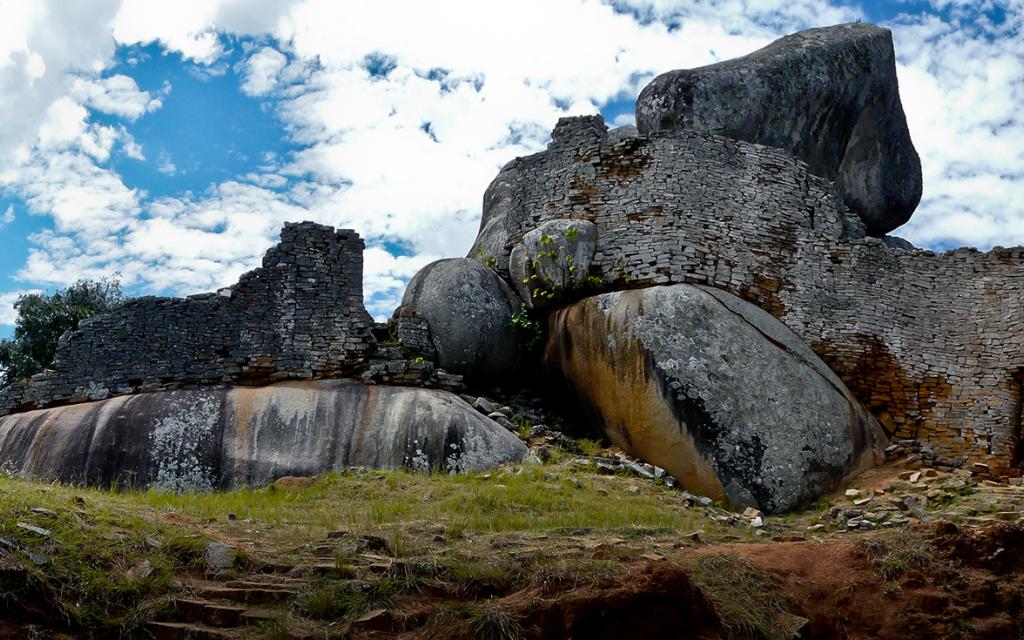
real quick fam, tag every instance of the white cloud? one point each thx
(40, 44)
(384, 277)
(262, 70)
(117, 95)
(165, 165)
(624, 119)
(962, 86)
(130, 147)
(404, 112)
(81, 197)
(8, 216)
(8, 314)
(191, 27)
(185, 26)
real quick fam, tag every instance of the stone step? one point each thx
(187, 631)
(259, 615)
(275, 566)
(208, 613)
(249, 595)
(329, 570)
(273, 582)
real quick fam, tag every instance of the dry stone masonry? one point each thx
(931, 343)
(299, 316)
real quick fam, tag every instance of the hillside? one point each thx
(579, 546)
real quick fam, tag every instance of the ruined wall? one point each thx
(931, 343)
(299, 316)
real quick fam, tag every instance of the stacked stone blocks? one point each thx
(930, 342)
(299, 316)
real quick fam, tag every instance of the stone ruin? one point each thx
(299, 316)
(284, 373)
(718, 290)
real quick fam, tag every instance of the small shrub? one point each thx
(589, 447)
(465, 621)
(329, 600)
(493, 624)
(530, 328)
(485, 258)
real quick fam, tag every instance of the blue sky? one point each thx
(168, 142)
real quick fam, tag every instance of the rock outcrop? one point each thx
(714, 390)
(828, 95)
(469, 310)
(553, 261)
(931, 343)
(223, 437)
(762, 179)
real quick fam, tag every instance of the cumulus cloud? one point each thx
(40, 45)
(82, 198)
(7, 217)
(165, 165)
(403, 112)
(131, 148)
(261, 71)
(8, 314)
(118, 95)
(962, 83)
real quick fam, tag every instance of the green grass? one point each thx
(895, 554)
(101, 561)
(465, 621)
(339, 601)
(529, 500)
(91, 572)
(748, 603)
(589, 447)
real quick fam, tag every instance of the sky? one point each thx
(166, 143)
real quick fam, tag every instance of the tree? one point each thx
(43, 319)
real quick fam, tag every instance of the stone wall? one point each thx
(931, 343)
(299, 316)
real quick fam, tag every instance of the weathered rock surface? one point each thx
(469, 310)
(621, 134)
(714, 390)
(552, 261)
(222, 437)
(828, 95)
(929, 342)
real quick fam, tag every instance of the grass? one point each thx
(529, 499)
(894, 555)
(748, 603)
(477, 622)
(98, 561)
(489, 623)
(110, 555)
(590, 447)
(341, 601)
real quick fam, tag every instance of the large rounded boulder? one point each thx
(469, 310)
(828, 95)
(714, 390)
(224, 437)
(552, 261)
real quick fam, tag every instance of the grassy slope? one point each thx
(108, 556)
(108, 560)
